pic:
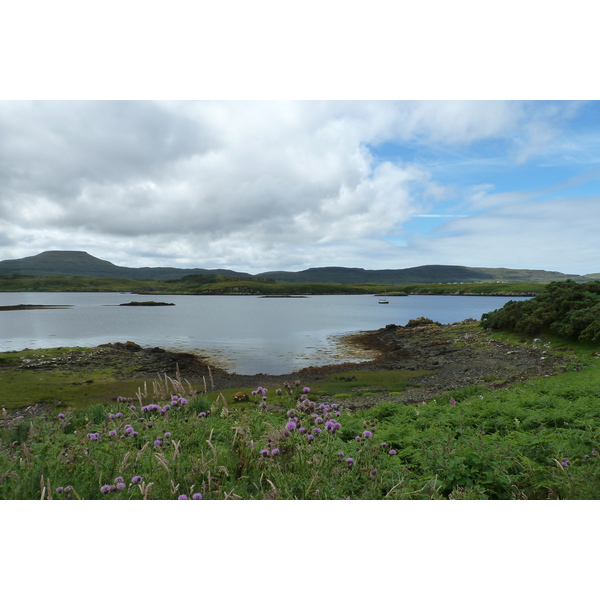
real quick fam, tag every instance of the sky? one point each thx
(258, 186)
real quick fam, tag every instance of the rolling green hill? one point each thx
(57, 262)
(82, 264)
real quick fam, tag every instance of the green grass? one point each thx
(536, 440)
(58, 383)
(367, 382)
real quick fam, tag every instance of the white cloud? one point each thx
(246, 185)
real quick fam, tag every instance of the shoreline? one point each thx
(454, 356)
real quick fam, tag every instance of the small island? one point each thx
(34, 306)
(147, 303)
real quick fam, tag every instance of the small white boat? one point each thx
(384, 300)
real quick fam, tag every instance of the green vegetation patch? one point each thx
(566, 309)
(32, 376)
(75, 389)
(361, 383)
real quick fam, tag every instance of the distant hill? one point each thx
(413, 275)
(59, 262)
(69, 263)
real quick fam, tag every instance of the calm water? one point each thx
(245, 334)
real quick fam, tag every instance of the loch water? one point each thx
(244, 334)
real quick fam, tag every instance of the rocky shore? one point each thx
(456, 355)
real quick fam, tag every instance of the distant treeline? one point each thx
(213, 284)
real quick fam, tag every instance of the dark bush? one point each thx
(566, 308)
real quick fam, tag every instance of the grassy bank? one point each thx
(219, 285)
(535, 440)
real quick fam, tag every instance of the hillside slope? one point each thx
(70, 263)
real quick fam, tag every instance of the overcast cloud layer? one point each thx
(258, 186)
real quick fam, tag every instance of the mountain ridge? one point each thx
(81, 263)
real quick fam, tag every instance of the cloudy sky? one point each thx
(265, 185)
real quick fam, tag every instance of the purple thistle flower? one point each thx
(157, 443)
(183, 401)
(119, 415)
(182, 497)
(392, 452)
(112, 433)
(318, 420)
(61, 415)
(340, 454)
(136, 479)
(111, 416)
(60, 490)
(306, 390)
(290, 425)
(565, 462)
(275, 451)
(119, 480)
(367, 434)
(310, 437)
(120, 486)
(174, 402)
(105, 489)
(302, 430)
(586, 456)
(350, 461)
(452, 401)
(68, 489)
(197, 496)
(202, 414)
(264, 452)
(168, 434)
(317, 430)
(263, 404)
